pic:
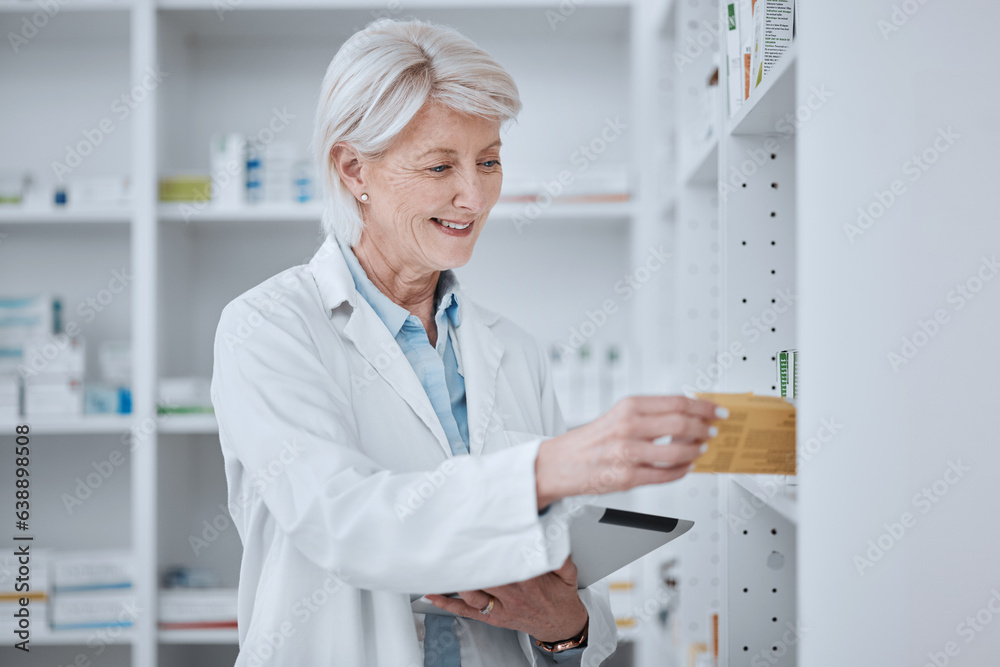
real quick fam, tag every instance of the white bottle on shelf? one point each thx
(228, 169)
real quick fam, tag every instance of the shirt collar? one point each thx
(392, 314)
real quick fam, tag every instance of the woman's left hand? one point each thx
(547, 607)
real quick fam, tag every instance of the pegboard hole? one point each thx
(773, 243)
(773, 156)
(772, 329)
(744, 243)
(744, 300)
(746, 590)
(746, 648)
(773, 272)
(773, 387)
(774, 531)
(774, 619)
(774, 214)
(773, 359)
(774, 186)
(744, 358)
(774, 590)
(744, 532)
(744, 185)
(774, 301)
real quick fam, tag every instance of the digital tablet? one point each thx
(602, 541)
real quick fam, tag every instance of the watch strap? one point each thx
(566, 644)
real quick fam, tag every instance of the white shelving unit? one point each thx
(225, 72)
(750, 208)
(733, 236)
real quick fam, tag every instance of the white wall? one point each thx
(901, 428)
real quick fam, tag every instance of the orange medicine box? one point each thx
(758, 437)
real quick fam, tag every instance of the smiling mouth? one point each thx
(451, 224)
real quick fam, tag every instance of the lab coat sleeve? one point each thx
(291, 429)
(602, 635)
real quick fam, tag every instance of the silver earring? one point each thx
(364, 196)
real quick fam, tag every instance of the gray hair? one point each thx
(378, 81)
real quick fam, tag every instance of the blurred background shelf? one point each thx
(773, 491)
(222, 636)
(15, 215)
(100, 424)
(703, 168)
(196, 423)
(771, 108)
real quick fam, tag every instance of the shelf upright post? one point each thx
(144, 316)
(756, 304)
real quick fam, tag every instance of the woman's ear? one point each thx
(348, 165)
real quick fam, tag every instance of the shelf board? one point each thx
(704, 168)
(780, 497)
(23, 7)
(365, 4)
(192, 214)
(213, 636)
(771, 102)
(619, 211)
(312, 212)
(73, 426)
(199, 423)
(83, 637)
(13, 214)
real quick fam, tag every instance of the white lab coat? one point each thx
(344, 489)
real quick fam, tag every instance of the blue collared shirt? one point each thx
(436, 367)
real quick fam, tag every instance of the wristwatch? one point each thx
(566, 644)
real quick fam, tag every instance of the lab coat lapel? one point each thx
(381, 350)
(481, 352)
(370, 336)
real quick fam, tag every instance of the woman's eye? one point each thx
(439, 169)
(489, 164)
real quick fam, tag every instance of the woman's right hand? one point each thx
(615, 452)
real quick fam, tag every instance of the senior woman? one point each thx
(385, 435)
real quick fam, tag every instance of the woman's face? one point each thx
(443, 168)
